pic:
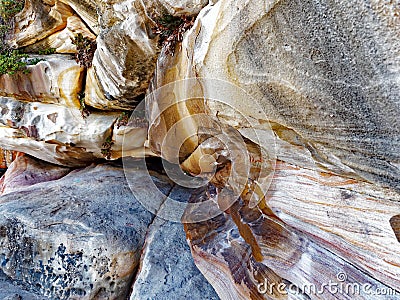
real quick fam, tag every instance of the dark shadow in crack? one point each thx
(395, 224)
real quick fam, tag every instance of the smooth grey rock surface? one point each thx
(79, 237)
(167, 270)
(10, 291)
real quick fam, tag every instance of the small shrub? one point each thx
(123, 119)
(12, 62)
(106, 147)
(86, 48)
(9, 8)
(84, 111)
(47, 51)
(171, 30)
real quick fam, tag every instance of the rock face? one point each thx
(77, 237)
(63, 136)
(315, 70)
(44, 25)
(38, 20)
(246, 252)
(125, 58)
(26, 171)
(55, 79)
(8, 291)
(122, 67)
(282, 114)
(126, 46)
(167, 268)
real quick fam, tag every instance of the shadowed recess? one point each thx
(395, 223)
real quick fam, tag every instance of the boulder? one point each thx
(61, 41)
(60, 135)
(10, 291)
(54, 79)
(327, 70)
(167, 270)
(251, 253)
(27, 171)
(322, 98)
(305, 78)
(38, 20)
(125, 58)
(77, 237)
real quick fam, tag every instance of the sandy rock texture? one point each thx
(54, 79)
(313, 68)
(285, 111)
(60, 135)
(327, 70)
(125, 58)
(38, 20)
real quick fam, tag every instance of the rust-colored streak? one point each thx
(7, 157)
(245, 232)
(330, 183)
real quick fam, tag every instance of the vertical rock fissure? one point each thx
(148, 231)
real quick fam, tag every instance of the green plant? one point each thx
(34, 61)
(86, 48)
(171, 30)
(84, 111)
(122, 119)
(106, 147)
(12, 62)
(9, 8)
(47, 51)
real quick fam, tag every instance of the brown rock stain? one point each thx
(245, 232)
(70, 83)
